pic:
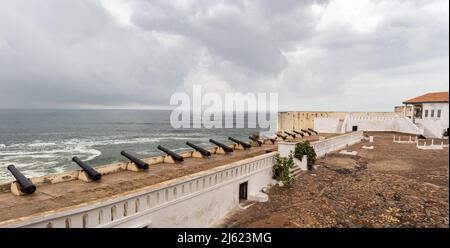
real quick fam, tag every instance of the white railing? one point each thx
(137, 209)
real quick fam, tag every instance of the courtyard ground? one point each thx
(393, 185)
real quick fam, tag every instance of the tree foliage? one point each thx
(305, 148)
(281, 169)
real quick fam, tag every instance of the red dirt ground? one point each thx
(394, 185)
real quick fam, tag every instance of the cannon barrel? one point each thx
(256, 140)
(243, 144)
(27, 186)
(175, 156)
(306, 131)
(199, 149)
(92, 173)
(299, 133)
(224, 147)
(291, 134)
(139, 163)
(282, 136)
(312, 130)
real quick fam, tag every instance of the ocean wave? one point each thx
(12, 156)
(42, 144)
(94, 153)
(185, 138)
(85, 142)
(103, 141)
(40, 157)
(29, 169)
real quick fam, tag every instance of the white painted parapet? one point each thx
(335, 143)
(196, 200)
(322, 147)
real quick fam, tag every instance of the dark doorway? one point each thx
(243, 191)
(355, 128)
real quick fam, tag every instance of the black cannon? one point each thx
(255, 140)
(291, 134)
(139, 163)
(202, 151)
(299, 133)
(282, 136)
(243, 144)
(91, 172)
(306, 131)
(224, 147)
(25, 183)
(312, 130)
(175, 156)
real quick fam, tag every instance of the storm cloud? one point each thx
(318, 55)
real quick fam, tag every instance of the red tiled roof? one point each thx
(430, 97)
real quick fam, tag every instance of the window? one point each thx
(432, 113)
(426, 113)
(354, 128)
(439, 112)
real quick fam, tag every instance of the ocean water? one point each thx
(39, 142)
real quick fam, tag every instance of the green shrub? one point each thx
(281, 169)
(305, 148)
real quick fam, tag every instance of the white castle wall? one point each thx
(327, 125)
(192, 201)
(322, 147)
(380, 124)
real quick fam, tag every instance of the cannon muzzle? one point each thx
(175, 156)
(224, 147)
(243, 144)
(202, 151)
(139, 163)
(91, 172)
(25, 183)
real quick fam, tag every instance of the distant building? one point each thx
(430, 112)
(426, 115)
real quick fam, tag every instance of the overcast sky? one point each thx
(318, 55)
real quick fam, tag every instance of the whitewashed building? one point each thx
(430, 113)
